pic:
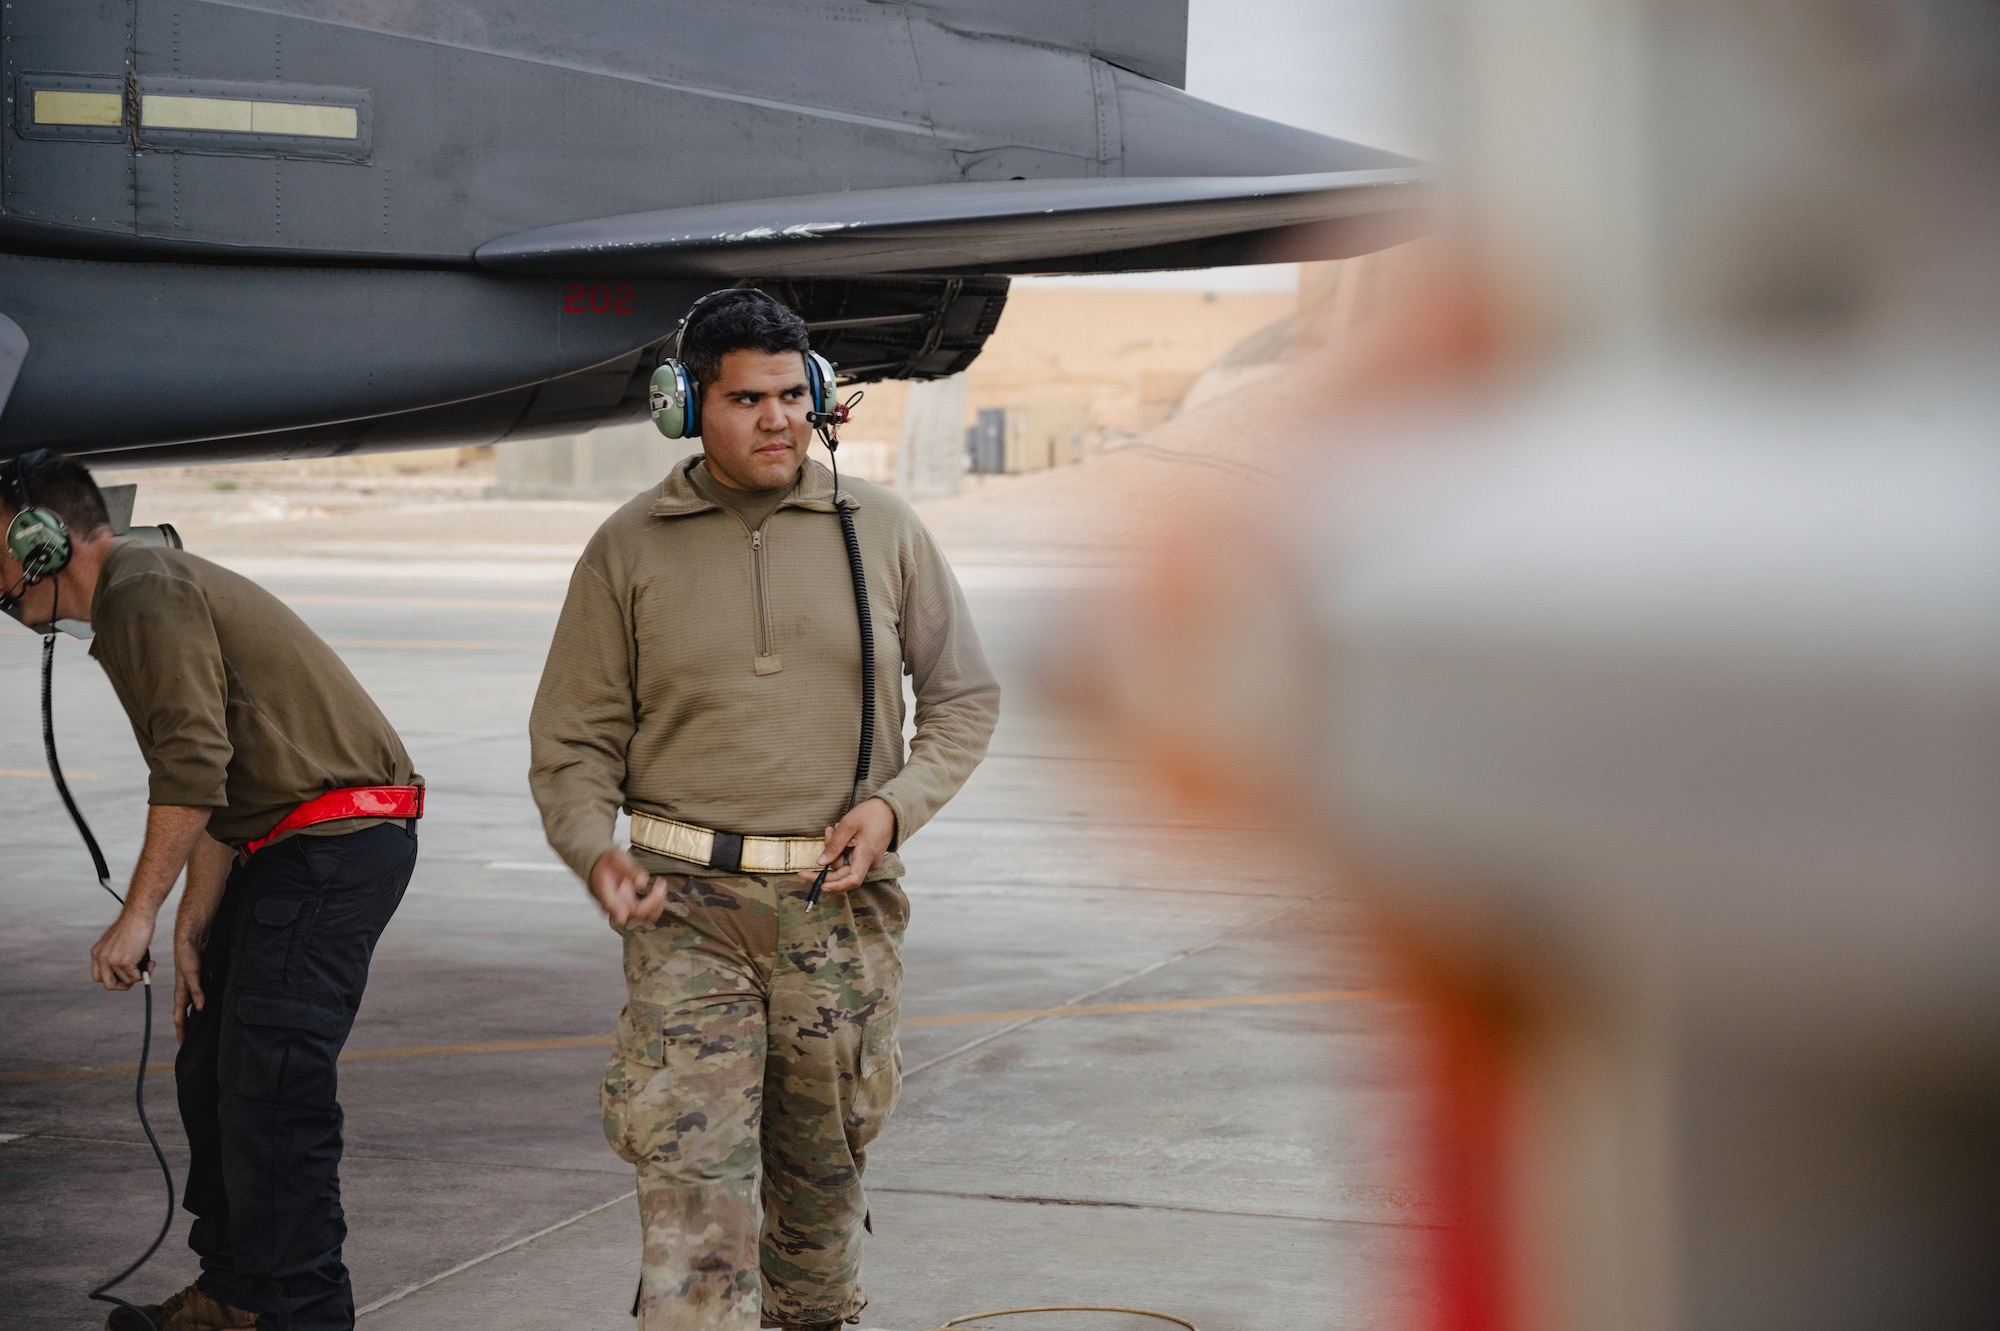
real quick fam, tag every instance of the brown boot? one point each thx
(124, 1319)
(190, 1310)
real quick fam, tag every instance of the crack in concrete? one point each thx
(1139, 974)
(500, 1251)
(1030, 1200)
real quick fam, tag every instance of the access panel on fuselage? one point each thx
(426, 149)
(66, 158)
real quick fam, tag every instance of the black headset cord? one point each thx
(867, 748)
(102, 1293)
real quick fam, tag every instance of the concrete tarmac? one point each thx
(1148, 1063)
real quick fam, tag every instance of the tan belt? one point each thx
(727, 851)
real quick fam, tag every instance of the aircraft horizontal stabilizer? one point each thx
(1090, 225)
(13, 352)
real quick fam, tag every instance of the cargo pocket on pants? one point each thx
(681, 1094)
(287, 1048)
(624, 1080)
(880, 1081)
(637, 1062)
(279, 927)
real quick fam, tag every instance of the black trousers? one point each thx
(286, 961)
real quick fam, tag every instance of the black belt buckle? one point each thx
(727, 853)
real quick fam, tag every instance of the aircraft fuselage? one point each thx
(234, 229)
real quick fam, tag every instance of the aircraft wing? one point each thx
(1092, 225)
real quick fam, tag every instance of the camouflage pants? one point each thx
(756, 1060)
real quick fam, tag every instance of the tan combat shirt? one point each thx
(237, 705)
(710, 673)
(753, 506)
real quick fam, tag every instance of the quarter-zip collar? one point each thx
(677, 497)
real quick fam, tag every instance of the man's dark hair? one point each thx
(746, 320)
(58, 483)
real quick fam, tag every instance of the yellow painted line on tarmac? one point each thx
(75, 1074)
(908, 1023)
(425, 602)
(481, 1047)
(42, 773)
(442, 644)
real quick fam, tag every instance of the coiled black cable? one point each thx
(102, 1293)
(865, 754)
(97, 861)
(867, 750)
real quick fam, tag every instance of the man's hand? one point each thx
(114, 962)
(187, 984)
(865, 833)
(625, 890)
(207, 878)
(171, 833)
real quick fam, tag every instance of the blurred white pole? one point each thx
(930, 455)
(1646, 664)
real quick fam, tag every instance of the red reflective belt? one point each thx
(353, 802)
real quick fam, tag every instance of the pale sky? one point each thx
(1335, 66)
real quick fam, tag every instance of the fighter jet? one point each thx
(286, 228)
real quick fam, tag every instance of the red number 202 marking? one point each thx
(599, 298)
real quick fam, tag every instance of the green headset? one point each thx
(675, 395)
(37, 536)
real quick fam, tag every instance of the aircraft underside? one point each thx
(306, 227)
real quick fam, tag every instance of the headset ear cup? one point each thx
(675, 398)
(38, 538)
(820, 378)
